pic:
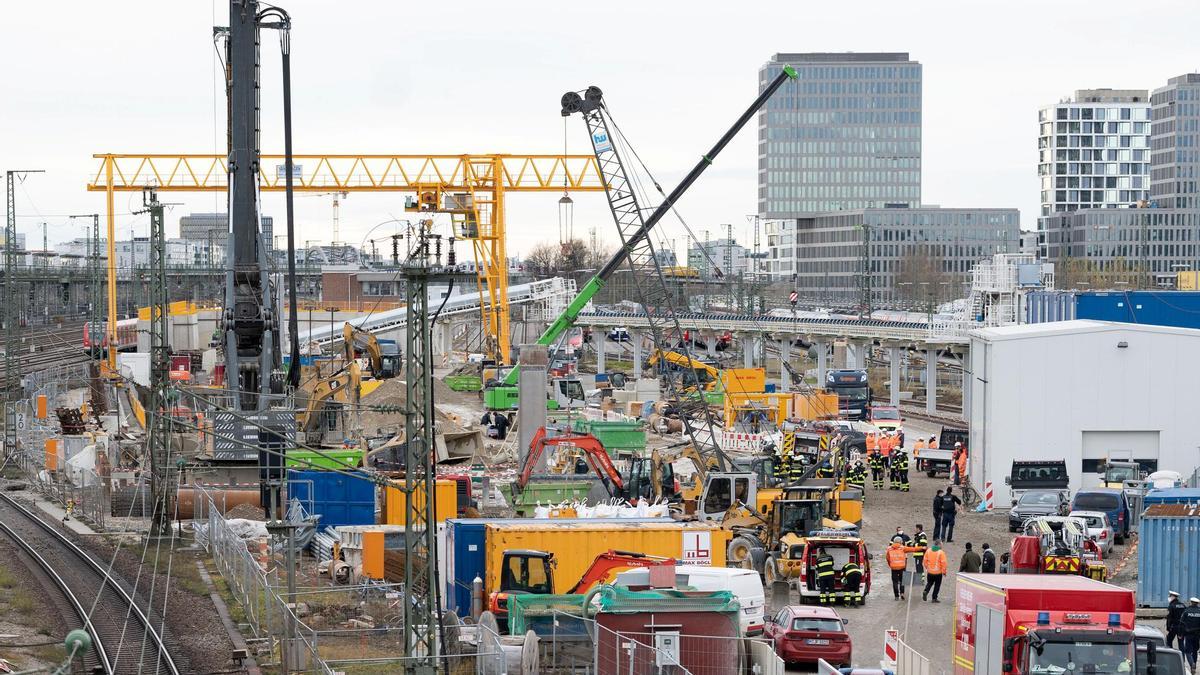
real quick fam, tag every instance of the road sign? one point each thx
(793, 296)
(21, 421)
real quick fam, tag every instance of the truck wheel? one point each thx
(770, 571)
(931, 474)
(738, 551)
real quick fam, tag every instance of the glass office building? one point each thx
(846, 134)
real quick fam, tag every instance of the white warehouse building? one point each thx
(1082, 391)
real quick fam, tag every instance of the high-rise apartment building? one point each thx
(1094, 150)
(726, 255)
(845, 134)
(1141, 247)
(1175, 143)
(215, 227)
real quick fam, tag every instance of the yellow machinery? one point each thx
(485, 178)
(383, 356)
(705, 377)
(344, 385)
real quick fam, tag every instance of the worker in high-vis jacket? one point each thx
(852, 576)
(875, 461)
(825, 576)
(897, 560)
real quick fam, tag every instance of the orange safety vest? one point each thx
(935, 562)
(886, 445)
(933, 444)
(897, 558)
(962, 463)
(872, 443)
(918, 446)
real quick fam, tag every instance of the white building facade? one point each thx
(1081, 391)
(1093, 150)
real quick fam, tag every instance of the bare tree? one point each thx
(547, 260)
(920, 277)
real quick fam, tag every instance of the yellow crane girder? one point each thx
(486, 176)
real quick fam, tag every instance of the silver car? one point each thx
(1098, 528)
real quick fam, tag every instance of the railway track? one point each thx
(126, 638)
(43, 347)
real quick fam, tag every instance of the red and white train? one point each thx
(126, 335)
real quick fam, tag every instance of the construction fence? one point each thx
(668, 651)
(909, 661)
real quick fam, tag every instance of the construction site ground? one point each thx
(926, 626)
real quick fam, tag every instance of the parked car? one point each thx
(1098, 528)
(803, 634)
(1111, 501)
(1036, 503)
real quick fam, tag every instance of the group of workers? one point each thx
(886, 456)
(790, 464)
(930, 560)
(1183, 622)
(851, 576)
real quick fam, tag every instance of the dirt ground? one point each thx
(927, 627)
(25, 615)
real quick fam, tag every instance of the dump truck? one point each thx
(1032, 624)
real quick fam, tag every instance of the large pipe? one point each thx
(224, 499)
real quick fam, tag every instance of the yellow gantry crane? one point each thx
(485, 178)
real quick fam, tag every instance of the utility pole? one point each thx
(159, 419)
(12, 312)
(422, 625)
(95, 285)
(864, 279)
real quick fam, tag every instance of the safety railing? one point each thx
(909, 661)
(639, 653)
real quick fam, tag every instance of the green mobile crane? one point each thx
(503, 394)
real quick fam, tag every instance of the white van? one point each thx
(745, 585)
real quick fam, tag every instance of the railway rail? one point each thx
(42, 347)
(125, 637)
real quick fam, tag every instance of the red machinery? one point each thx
(593, 452)
(1022, 623)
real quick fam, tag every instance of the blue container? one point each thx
(1168, 553)
(769, 388)
(1180, 309)
(339, 499)
(1172, 496)
(465, 551)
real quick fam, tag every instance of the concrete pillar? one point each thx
(599, 336)
(710, 345)
(853, 354)
(749, 347)
(531, 387)
(822, 347)
(930, 380)
(637, 337)
(785, 356)
(894, 355)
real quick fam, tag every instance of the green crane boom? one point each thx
(504, 395)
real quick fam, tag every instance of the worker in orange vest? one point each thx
(933, 443)
(872, 443)
(919, 445)
(960, 463)
(935, 569)
(897, 560)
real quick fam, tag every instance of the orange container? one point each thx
(52, 454)
(372, 554)
(41, 406)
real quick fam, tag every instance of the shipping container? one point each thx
(1168, 553)
(1172, 496)
(1180, 309)
(338, 498)
(819, 404)
(576, 545)
(464, 552)
(329, 458)
(445, 507)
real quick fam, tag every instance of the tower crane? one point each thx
(337, 203)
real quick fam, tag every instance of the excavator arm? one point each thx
(349, 380)
(687, 362)
(353, 337)
(594, 453)
(610, 561)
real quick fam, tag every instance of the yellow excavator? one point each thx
(383, 355)
(697, 374)
(343, 385)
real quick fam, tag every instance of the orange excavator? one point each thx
(589, 448)
(528, 572)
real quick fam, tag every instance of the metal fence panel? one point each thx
(909, 661)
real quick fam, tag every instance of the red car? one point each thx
(804, 634)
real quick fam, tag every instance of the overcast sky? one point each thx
(465, 76)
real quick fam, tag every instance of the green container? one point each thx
(616, 437)
(327, 459)
(464, 382)
(548, 492)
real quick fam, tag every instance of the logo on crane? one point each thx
(601, 141)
